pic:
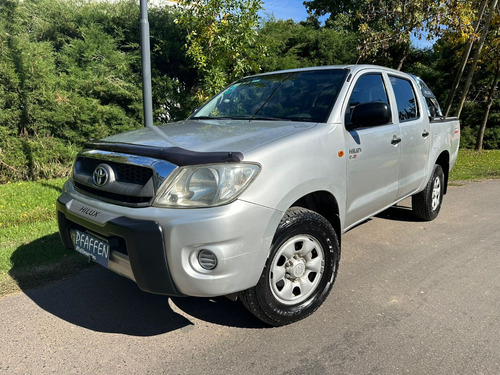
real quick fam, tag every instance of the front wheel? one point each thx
(299, 272)
(427, 204)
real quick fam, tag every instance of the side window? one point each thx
(368, 88)
(433, 107)
(405, 99)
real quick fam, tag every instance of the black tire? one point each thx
(427, 204)
(299, 272)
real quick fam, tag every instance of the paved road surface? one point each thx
(411, 297)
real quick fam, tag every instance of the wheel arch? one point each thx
(324, 204)
(444, 161)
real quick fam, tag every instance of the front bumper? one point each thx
(127, 237)
(157, 248)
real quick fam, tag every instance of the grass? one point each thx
(30, 250)
(472, 165)
(31, 253)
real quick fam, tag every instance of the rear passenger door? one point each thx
(373, 152)
(415, 134)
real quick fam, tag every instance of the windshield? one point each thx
(299, 96)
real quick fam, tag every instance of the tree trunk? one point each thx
(489, 101)
(484, 33)
(406, 48)
(465, 57)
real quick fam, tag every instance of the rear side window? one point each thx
(405, 99)
(433, 108)
(368, 88)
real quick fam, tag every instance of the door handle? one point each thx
(425, 133)
(395, 140)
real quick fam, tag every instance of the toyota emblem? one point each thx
(102, 175)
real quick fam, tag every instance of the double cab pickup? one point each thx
(249, 196)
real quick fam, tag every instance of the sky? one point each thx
(286, 9)
(295, 10)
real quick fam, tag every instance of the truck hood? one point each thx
(213, 135)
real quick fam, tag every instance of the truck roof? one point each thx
(352, 67)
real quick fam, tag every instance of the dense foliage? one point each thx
(220, 40)
(70, 69)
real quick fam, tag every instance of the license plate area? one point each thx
(95, 248)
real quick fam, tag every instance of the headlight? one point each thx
(206, 185)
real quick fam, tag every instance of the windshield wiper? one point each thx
(301, 119)
(249, 118)
(222, 118)
(266, 118)
(202, 118)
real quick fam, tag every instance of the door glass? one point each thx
(405, 99)
(368, 88)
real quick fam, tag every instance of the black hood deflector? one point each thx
(176, 155)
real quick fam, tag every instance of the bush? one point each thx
(470, 120)
(23, 158)
(468, 137)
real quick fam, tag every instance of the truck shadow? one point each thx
(399, 213)
(51, 185)
(99, 300)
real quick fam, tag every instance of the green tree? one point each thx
(491, 59)
(293, 45)
(387, 24)
(29, 85)
(30, 72)
(465, 55)
(385, 27)
(220, 37)
(64, 79)
(480, 44)
(173, 73)
(341, 14)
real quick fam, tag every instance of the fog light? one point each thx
(207, 259)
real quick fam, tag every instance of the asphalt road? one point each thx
(410, 298)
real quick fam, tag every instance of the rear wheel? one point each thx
(427, 204)
(299, 272)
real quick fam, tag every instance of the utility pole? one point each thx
(147, 96)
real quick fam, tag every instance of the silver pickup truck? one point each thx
(249, 196)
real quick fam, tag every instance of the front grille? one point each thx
(132, 184)
(128, 173)
(126, 180)
(127, 200)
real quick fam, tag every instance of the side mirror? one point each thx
(370, 114)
